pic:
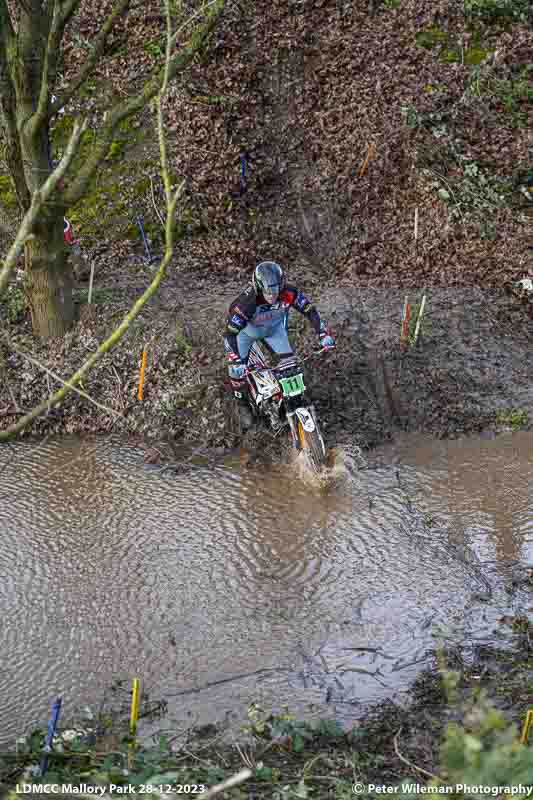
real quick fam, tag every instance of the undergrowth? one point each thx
(287, 758)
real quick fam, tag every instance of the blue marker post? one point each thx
(243, 173)
(149, 255)
(56, 709)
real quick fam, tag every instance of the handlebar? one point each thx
(318, 352)
(250, 370)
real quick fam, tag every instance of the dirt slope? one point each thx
(302, 90)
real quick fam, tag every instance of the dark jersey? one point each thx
(250, 308)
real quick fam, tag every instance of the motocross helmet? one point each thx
(268, 280)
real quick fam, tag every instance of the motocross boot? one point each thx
(241, 394)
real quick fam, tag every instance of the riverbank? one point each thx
(462, 725)
(470, 370)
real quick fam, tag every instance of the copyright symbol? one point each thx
(358, 788)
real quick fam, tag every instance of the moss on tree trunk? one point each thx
(48, 282)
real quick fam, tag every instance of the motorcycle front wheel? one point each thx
(312, 445)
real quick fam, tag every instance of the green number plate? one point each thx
(293, 385)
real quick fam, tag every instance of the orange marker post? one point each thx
(370, 154)
(141, 376)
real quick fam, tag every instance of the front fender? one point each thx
(306, 419)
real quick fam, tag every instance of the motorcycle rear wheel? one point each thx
(311, 444)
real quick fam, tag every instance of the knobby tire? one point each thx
(310, 443)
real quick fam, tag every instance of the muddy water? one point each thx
(229, 583)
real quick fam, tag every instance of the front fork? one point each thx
(294, 429)
(292, 418)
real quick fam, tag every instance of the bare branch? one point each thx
(49, 65)
(235, 780)
(154, 87)
(68, 8)
(98, 48)
(6, 28)
(135, 104)
(188, 21)
(58, 378)
(105, 347)
(39, 198)
(410, 763)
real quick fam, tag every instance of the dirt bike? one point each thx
(278, 395)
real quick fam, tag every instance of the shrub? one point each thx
(496, 10)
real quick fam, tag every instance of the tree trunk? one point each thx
(48, 281)
(48, 275)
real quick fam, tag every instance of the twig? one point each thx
(211, 742)
(221, 758)
(120, 387)
(161, 220)
(410, 763)
(192, 755)
(194, 16)
(245, 757)
(65, 383)
(13, 398)
(457, 204)
(183, 732)
(49, 392)
(89, 297)
(235, 780)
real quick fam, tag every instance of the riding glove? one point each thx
(326, 339)
(238, 370)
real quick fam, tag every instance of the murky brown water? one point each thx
(108, 567)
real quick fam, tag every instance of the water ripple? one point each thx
(108, 568)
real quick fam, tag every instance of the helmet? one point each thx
(268, 280)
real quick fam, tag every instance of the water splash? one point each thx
(342, 463)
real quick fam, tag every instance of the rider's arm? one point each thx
(240, 313)
(301, 303)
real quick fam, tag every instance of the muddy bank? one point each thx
(471, 369)
(460, 725)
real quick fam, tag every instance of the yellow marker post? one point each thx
(527, 724)
(141, 376)
(135, 706)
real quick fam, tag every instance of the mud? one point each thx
(470, 368)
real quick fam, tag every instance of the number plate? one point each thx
(293, 386)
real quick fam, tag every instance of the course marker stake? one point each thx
(405, 321)
(141, 376)
(56, 709)
(419, 318)
(135, 706)
(527, 724)
(370, 155)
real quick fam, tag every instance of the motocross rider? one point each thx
(261, 312)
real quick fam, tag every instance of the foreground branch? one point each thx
(105, 347)
(60, 380)
(155, 88)
(118, 333)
